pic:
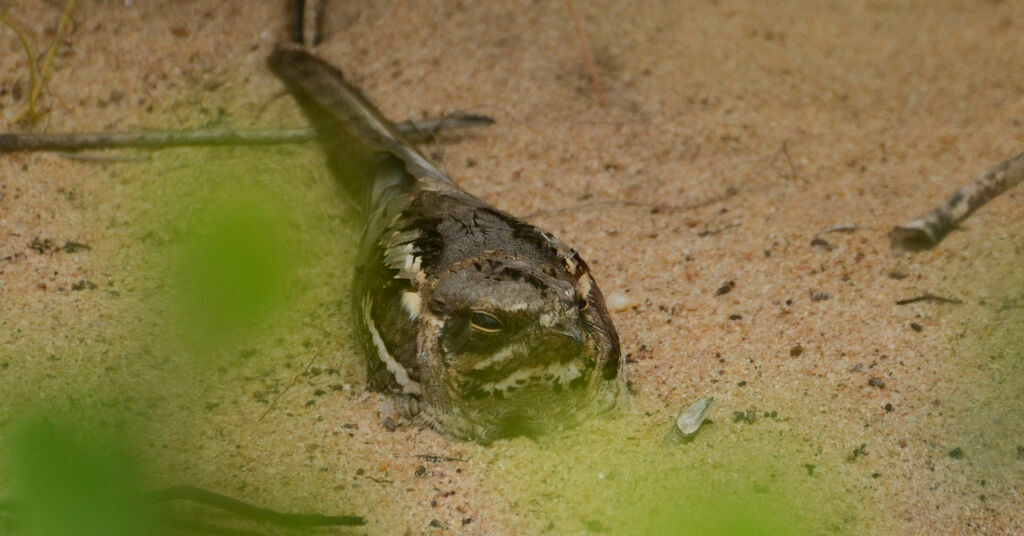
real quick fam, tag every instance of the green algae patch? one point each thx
(621, 477)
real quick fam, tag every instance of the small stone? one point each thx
(83, 285)
(820, 296)
(876, 382)
(916, 327)
(690, 420)
(620, 301)
(746, 417)
(436, 524)
(898, 274)
(821, 243)
(796, 350)
(956, 453)
(724, 289)
(735, 316)
(888, 407)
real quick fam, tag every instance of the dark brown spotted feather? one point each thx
(484, 325)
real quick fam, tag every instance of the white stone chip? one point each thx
(620, 301)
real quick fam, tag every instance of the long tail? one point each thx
(364, 147)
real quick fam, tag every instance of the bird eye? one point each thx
(484, 322)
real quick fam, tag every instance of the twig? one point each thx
(928, 296)
(149, 140)
(415, 130)
(713, 232)
(792, 168)
(927, 231)
(31, 55)
(44, 70)
(297, 21)
(223, 502)
(844, 228)
(434, 458)
(587, 58)
(288, 387)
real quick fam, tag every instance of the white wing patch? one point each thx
(409, 386)
(412, 302)
(556, 373)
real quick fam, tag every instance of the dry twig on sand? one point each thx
(927, 231)
(414, 130)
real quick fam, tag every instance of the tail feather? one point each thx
(357, 137)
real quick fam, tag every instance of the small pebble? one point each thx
(796, 350)
(956, 453)
(820, 296)
(876, 383)
(620, 301)
(821, 243)
(689, 421)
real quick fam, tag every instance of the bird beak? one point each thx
(572, 332)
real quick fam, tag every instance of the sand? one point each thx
(735, 134)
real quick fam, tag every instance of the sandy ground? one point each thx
(744, 130)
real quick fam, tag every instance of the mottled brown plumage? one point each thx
(484, 325)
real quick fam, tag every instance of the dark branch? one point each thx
(414, 131)
(216, 500)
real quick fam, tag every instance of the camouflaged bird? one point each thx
(484, 326)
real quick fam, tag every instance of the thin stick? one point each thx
(33, 72)
(587, 58)
(223, 502)
(927, 231)
(928, 296)
(415, 130)
(44, 70)
(792, 168)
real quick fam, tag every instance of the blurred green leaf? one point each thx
(234, 268)
(72, 482)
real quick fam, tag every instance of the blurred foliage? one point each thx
(72, 480)
(234, 269)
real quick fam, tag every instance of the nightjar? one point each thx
(482, 325)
